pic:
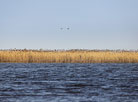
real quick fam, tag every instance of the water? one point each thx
(68, 82)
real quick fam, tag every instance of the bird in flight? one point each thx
(68, 28)
(61, 28)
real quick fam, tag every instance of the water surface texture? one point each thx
(68, 82)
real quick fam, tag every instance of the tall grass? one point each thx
(70, 56)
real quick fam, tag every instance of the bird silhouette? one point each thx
(68, 28)
(61, 28)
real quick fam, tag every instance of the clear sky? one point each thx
(94, 24)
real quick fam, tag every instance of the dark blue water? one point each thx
(68, 82)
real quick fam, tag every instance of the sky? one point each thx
(94, 24)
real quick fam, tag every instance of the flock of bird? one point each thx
(63, 28)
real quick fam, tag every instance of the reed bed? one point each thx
(75, 56)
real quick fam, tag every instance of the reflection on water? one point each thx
(68, 82)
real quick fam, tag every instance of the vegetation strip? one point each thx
(68, 56)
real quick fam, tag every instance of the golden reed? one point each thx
(69, 56)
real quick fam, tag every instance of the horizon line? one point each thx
(41, 49)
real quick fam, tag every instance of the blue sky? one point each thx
(94, 24)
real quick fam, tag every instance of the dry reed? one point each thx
(72, 56)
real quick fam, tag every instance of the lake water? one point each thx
(68, 82)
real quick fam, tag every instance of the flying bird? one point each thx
(61, 28)
(68, 28)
